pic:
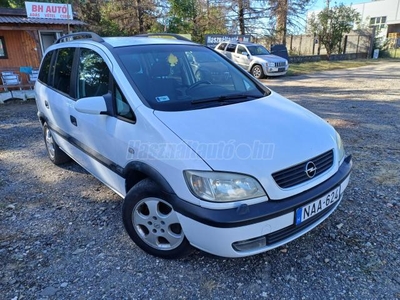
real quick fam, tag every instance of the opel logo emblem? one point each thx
(311, 169)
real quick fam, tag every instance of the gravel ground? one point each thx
(61, 234)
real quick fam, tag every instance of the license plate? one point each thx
(313, 208)
(281, 69)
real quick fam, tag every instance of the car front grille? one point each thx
(280, 64)
(297, 174)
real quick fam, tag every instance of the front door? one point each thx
(242, 57)
(103, 137)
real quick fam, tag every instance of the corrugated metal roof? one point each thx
(22, 20)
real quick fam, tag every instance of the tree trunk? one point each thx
(281, 21)
(140, 16)
(241, 17)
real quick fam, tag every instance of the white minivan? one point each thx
(218, 162)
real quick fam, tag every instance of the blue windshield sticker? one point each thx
(162, 98)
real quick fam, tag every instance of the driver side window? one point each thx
(241, 50)
(93, 75)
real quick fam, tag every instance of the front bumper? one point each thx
(275, 71)
(218, 231)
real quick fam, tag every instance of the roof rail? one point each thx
(164, 35)
(76, 35)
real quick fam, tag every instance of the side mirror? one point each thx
(91, 105)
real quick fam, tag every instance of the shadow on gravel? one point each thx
(345, 75)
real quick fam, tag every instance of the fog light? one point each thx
(251, 244)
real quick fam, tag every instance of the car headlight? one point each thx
(340, 147)
(271, 64)
(222, 187)
(286, 62)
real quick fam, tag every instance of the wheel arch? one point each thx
(256, 63)
(251, 65)
(42, 118)
(136, 171)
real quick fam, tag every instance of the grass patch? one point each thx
(312, 67)
(390, 53)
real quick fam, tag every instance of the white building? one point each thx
(384, 15)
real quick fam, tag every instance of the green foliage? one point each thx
(195, 17)
(5, 3)
(184, 17)
(117, 17)
(331, 24)
(12, 3)
(185, 9)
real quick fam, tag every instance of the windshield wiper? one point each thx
(228, 98)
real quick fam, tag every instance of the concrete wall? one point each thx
(356, 42)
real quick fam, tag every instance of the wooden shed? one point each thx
(24, 39)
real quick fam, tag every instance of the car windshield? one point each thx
(258, 50)
(203, 57)
(180, 77)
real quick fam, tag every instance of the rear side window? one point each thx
(63, 67)
(231, 48)
(222, 46)
(45, 69)
(93, 75)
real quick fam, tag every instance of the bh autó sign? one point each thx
(40, 10)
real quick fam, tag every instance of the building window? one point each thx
(3, 50)
(377, 22)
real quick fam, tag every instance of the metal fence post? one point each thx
(371, 43)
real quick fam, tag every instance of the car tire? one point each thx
(56, 155)
(152, 222)
(257, 72)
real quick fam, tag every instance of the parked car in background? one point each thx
(208, 68)
(254, 58)
(221, 163)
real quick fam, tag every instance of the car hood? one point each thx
(269, 58)
(257, 138)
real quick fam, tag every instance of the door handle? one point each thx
(46, 104)
(73, 120)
